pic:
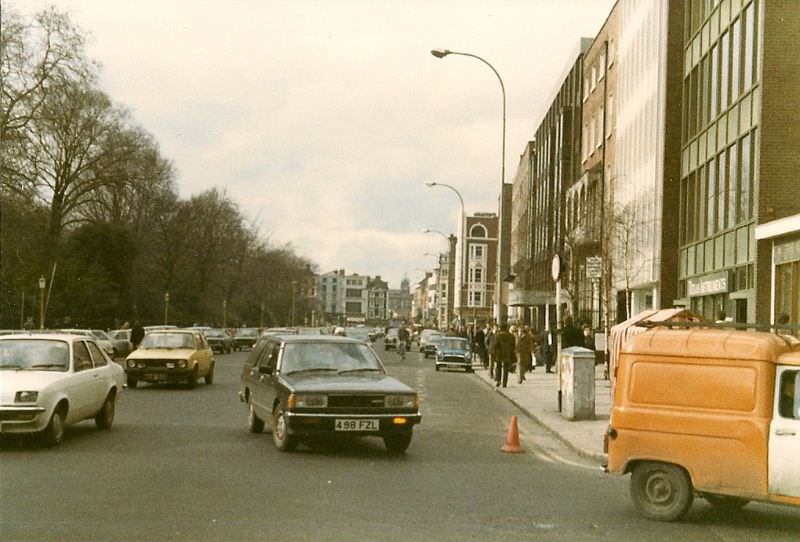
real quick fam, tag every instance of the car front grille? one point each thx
(17, 416)
(155, 363)
(454, 359)
(356, 401)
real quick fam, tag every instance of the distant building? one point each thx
(377, 301)
(481, 265)
(400, 302)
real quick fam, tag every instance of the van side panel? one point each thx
(707, 415)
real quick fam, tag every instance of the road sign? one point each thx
(594, 267)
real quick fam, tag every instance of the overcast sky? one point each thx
(324, 119)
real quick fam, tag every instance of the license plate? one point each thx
(357, 425)
(157, 377)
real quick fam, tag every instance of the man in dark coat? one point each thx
(137, 334)
(570, 334)
(479, 346)
(504, 353)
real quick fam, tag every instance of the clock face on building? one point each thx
(555, 267)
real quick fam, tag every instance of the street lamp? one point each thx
(294, 300)
(224, 314)
(261, 317)
(166, 307)
(42, 284)
(462, 279)
(441, 53)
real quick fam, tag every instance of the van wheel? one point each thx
(661, 491)
(724, 503)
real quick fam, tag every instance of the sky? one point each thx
(323, 120)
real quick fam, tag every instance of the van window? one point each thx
(789, 400)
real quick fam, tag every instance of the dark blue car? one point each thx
(453, 352)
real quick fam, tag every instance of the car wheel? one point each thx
(105, 418)
(254, 423)
(280, 431)
(397, 443)
(209, 378)
(132, 382)
(54, 432)
(726, 504)
(661, 491)
(192, 380)
(437, 366)
(468, 369)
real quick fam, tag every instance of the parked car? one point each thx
(453, 352)
(120, 348)
(307, 386)
(120, 336)
(102, 340)
(51, 380)
(427, 341)
(219, 340)
(390, 339)
(171, 355)
(245, 337)
(360, 333)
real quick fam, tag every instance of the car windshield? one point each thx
(34, 355)
(453, 344)
(214, 333)
(167, 340)
(324, 356)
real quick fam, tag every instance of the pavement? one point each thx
(537, 396)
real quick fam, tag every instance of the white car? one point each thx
(51, 380)
(103, 342)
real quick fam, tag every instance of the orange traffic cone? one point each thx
(512, 438)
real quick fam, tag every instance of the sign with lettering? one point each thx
(594, 267)
(716, 283)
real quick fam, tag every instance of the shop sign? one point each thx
(716, 283)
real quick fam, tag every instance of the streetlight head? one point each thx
(425, 230)
(42, 283)
(440, 53)
(430, 184)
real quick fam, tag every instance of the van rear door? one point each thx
(784, 434)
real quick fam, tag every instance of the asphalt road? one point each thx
(179, 465)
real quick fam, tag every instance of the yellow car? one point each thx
(171, 355)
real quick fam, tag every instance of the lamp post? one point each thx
(42, 284)
(449, 284)
(462, 279)
(261, 317)
(294, 301)
(166, 308)
(499, 305)
(224, 314)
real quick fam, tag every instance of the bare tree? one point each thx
(629, 260)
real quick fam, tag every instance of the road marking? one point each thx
(548, 455)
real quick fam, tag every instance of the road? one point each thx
(180, 465)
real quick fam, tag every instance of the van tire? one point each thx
(661, 491)
(725, 503)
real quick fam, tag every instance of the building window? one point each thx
(724, 81)
(736, 58)
(714, 97)
(602, 64)
(478, 230)
(609, 115)
(594, 77)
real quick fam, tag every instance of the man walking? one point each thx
(402, 341)
(504, 354)
(526, 343)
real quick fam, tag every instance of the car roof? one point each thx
(56, 336)
(174, 330)
(291, 338)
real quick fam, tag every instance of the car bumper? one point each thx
(324, 424)
(155, 374)
(29, 419)
(461, 364)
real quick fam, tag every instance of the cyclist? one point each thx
(402, 340)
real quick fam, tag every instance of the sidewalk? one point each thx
(538, 398)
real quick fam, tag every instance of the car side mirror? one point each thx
(265, 369)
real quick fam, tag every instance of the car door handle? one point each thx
(785, 433)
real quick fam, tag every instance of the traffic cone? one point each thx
(512, 438)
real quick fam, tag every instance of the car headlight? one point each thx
(401, 401)
(182, 363)
(308, 401)
(131, 363)
(26, 397)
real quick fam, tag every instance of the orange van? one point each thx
(710, 413)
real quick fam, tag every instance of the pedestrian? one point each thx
(504, 353)
(570, 335)
(526, 344)
(490, 334)
(588, 337)
(137, 334)
(479, 346)
(402, 341)
(544, 351)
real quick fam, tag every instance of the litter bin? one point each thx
(576, 383)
